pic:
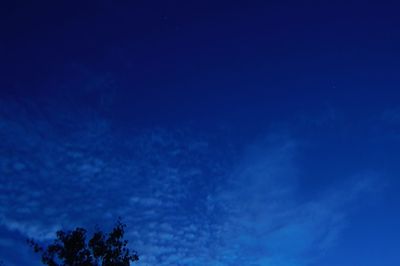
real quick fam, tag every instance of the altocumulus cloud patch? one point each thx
(187, 201)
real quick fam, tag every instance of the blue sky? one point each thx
(261, 134)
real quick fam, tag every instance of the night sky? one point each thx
(257, 133)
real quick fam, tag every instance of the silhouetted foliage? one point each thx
(72, 249)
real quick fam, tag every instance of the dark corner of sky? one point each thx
(263, 133)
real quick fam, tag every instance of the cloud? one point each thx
(187, 200)
(269, 223)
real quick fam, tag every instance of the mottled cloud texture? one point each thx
(187, 198)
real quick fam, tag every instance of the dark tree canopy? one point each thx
(72, 249)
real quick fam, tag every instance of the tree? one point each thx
(71, 248)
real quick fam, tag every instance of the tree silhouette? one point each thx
(71, 248)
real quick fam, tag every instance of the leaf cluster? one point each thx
(72, 249)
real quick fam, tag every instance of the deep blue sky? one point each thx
(249, 132)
